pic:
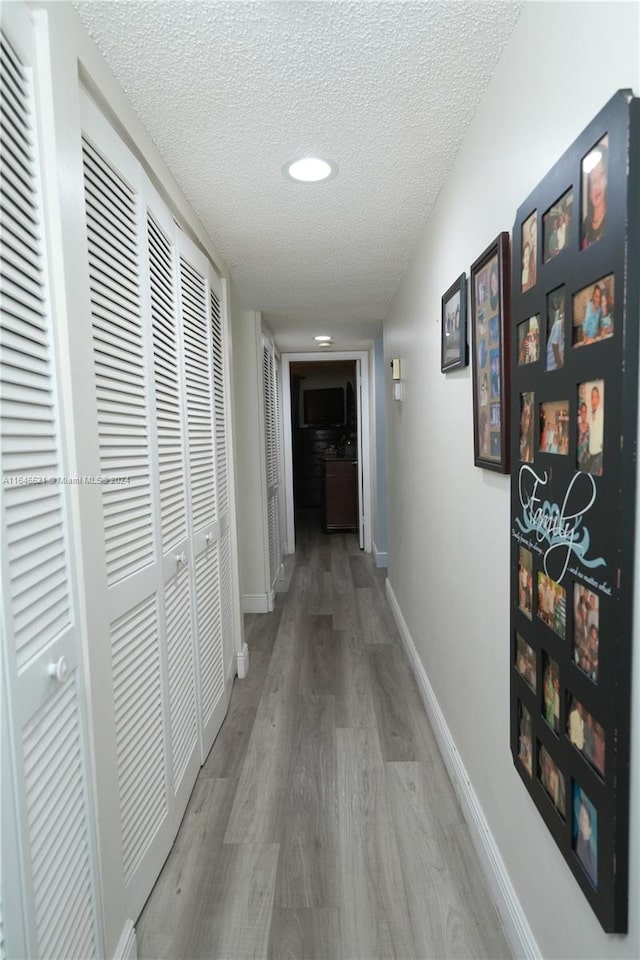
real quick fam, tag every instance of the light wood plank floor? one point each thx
(323, 825)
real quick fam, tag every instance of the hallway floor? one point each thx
(323, 824)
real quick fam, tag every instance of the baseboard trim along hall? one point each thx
(127, 948)
(243, 662)
(255, 603)
(380, 557)
(517, 929)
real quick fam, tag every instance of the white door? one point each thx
(56, 880)
(271, 459)
(133, 572)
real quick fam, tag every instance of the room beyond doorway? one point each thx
(326, 443)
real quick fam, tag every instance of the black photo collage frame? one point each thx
(574, 382)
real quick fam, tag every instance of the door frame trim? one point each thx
(364, 441)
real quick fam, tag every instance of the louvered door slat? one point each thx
(198, 386)
(119, 361)
(182, 684)
(219, 388)
(58, 829)
(27, 399)
(173, 518)
(138, 708)
(209, 612)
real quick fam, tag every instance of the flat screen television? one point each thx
(324, 407)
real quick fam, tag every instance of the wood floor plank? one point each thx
(374, 917)
(231, 919)
(361, 570)
(422, 793)
(354, 695)
(403, 727)
(196, 848)
(228, 753)
(318, 667)
(308, 865)
(451, 912)
(258, 813)
(305, 934)
(376, 622)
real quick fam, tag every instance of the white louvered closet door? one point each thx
(133, 572)
(41, 656)
(204, 519)
(166, 299)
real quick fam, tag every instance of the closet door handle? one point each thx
(59, 670)
(209, 539)
(181, 558)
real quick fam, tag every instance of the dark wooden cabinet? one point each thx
(340, 494)
(311, 445)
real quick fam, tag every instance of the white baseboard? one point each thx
(380, 557)
(127, 948)
(255, 603)
(517, 929)
(243, 662)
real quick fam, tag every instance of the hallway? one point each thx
(323, 824)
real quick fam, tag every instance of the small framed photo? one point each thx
(595, 175)
(526, 661)
(554, 427)
(525, 747)
(551, 692)
(525, 582)
(592, 314)
(529, 251)
(453, 350)
(529, 340)
(555, 329)
(591, 427)
(490, 355)
(556, 226)
(552, 604)
(527, 401)
(586, 734)
(552, 780)
(586, 630)
(585, 833)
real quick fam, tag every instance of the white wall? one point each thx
(249, 426)
(378, 455)
(449, 521)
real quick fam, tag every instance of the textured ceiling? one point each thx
(230, 91)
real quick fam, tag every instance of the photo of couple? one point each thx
(593, 312)
(591, 427)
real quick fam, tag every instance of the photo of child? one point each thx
(551, 692)
(595, 176)
(554, 427)
(555, 329)
(552, 780)
(524, 739)
(586, 630)
(585, 833)
(552, 604)
(529, 340)
(525, 582)
(526, 661)
(586, 734)
(556, 226)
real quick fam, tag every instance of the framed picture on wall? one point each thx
(490, 328)
(453, 346)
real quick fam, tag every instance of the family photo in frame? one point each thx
(453, 347)
(490, 345)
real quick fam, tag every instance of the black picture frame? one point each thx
(490, 338)
(454, 352)
(582, 473)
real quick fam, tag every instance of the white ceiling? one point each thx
(229, 91)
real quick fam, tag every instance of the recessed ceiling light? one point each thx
(323, 338)
(310, 169)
